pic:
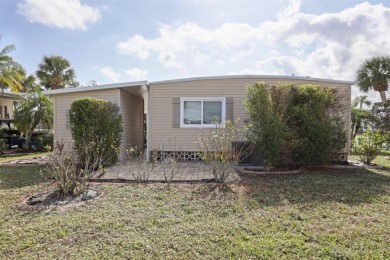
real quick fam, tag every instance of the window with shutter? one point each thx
(198, 112)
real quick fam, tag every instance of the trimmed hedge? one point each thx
(96, 123)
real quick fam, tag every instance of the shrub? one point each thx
(97, 124)
(368, 146)
(137, 165)
(319, 130)
(268, 123)
(218, 148)
(3, 145)
(292, 125)
(170, 156)
(71, 177)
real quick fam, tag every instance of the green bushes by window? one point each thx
(96, 125)
(295, 125)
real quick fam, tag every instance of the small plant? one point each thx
(3, 146)
(138, 166)
(48, 148)
(368, 146)
(62, 167)
(170, 162)
(70, 175)
(224, 148)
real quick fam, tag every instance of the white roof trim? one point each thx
(93, 88)
(253, 77)
(10, 94)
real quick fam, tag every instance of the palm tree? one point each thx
(360, 100)
(35, 109)
(55, 72)
(30, 84)
(11, 73)
(374, 74)
(358, 114)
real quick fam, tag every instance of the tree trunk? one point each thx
(383, 96)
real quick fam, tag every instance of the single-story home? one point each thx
(178, 109)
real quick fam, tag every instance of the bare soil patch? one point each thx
(49, 201)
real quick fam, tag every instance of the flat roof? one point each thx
(10, 95)
(123, 85)
(252, 77)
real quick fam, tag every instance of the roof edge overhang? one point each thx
(95, 88)
(11, 95)
(281, 77)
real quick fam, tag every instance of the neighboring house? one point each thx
(180, 109)
(8, 102)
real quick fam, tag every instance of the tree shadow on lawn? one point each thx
(348, 186)
(12, 177)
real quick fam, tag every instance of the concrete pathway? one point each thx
(188, 172)
(39, 159)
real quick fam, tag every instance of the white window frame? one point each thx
(223, 119)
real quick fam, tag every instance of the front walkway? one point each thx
(188, 172)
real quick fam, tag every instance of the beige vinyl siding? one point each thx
(162, 94)
(10, 108)
(132, 110)
(62, 105)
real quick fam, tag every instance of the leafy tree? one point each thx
(374, 73)
(380, 117)
(33, 110)
(55, 72)
(91, 83)
(30, 84)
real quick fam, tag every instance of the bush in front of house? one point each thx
(368, 146)
(96, 126)
(71, 177)
(223, 147)
(295, 125)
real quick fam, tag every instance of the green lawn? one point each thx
(10, 157)
(326, 215)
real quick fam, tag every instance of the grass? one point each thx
(13, 156)
(340, 214)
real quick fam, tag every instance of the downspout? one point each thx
(148, 123)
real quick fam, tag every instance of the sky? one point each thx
(130, 40)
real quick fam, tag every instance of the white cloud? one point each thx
(128, 74)
(136, 74)
(111, 74)
(65, 14)
(328, 45)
